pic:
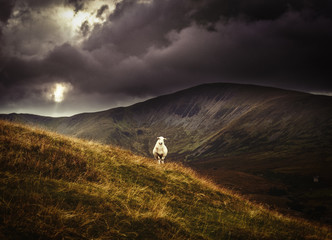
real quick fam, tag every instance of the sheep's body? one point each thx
(160, 150)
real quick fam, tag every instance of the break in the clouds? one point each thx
(112, 53)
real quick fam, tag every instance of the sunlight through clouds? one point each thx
(76, 20)
(31, 33)
(58, 91)
(80, 22)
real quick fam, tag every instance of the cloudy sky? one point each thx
(61, 57)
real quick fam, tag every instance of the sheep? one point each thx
(160, 150)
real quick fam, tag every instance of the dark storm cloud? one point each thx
(284, 48)
(135, 27)
(5, 13)
(253, 10)
(61, 62)
(154, 48)
(36, 4)
(121, 7)
(6, 9)
(77, 4)
(263, 53)
(85, 28)
(101, 10)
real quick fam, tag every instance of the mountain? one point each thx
(265, 142)
(57, 187)
(207, 121)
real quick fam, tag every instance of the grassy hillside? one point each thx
(241, 134)
(56, 187)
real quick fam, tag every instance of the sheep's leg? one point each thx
(160, 158)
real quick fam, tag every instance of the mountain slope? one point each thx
(235, 134)
(208, 121)
(55, 187)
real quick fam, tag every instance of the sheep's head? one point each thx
(160, 140)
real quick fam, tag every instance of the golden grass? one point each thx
(57, 187)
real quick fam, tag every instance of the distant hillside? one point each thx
(279, 138)
(207, 121)
(56, 187)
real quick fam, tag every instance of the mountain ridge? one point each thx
(218, 105)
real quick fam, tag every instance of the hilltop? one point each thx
(56, 187)
(264, 142)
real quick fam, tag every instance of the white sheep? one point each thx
(160, 150)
